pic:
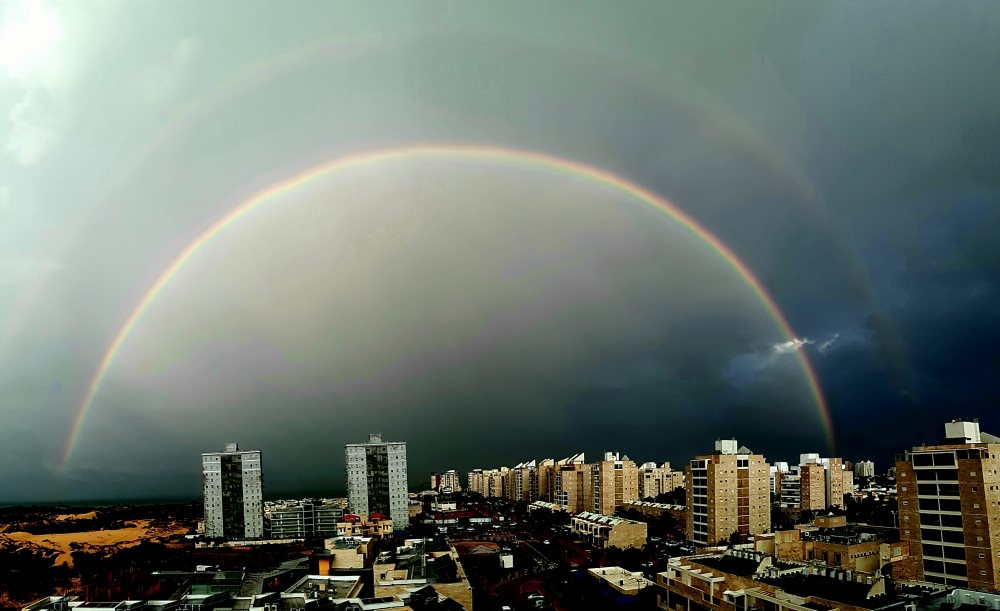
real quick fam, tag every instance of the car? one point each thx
(546, 542)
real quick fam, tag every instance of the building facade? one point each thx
(656, 479)
(864, 468)
(568, 483)
(949, 507)
(728, 492)
(603, 531)
(376, 479)
(610, 483)
(233, 487)
(304, 520)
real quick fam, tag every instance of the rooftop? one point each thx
(844, 591)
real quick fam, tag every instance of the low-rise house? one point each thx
(603, 531)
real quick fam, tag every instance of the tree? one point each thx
(736, 538)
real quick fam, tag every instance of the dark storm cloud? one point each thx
(845, 151)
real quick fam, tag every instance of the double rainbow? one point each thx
(509, 156)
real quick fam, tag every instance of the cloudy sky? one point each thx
(489, 312)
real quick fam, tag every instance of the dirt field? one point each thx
(66, 543)
(90, 515)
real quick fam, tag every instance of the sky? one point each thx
(484, 311)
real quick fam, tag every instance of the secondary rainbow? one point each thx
(510, 156)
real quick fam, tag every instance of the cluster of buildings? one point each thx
(299, 587)
(575, 485)
(233, 489)
(942, 553)
(814, 484)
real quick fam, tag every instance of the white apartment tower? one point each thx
(233, 491)
(376, 479)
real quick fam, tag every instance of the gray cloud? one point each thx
(843, 151)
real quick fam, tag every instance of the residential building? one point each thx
(233, 493)
(307, 518)
(836, 544)
(448, 481)
(652, 509)
(568, 483)
(790, 488)
(744, 579)
(812, 486)
(728, 492)
(376, 479)
(603, 531)
(610, 483)
(864, 468)
(545, 474)
(624, 582)
(776, 472)
(476, 481)
(366, 526)
(815, 484)
(949, 507)
(521, 482)
(488, 482)
(656, 479)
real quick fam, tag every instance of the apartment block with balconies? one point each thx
(949, 507)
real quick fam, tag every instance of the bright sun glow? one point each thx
(28, 31)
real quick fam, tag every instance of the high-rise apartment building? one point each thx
(521, 483)
(610, 483)
(949, 507)
(777, 471)
(656, 479)
(545, 473)
(815, 483)
(376, 479)
(451, 481)
(864, 468)
(233, 493)
(489, 482)
(568, 483)
(812, 486)
(446, 482)
(728, 491)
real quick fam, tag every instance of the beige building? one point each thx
(568, 483)
(346, 553)
(812, 486)
(610, 483)
(520, 483)
(656, 479)
(374, 525)
(831, 541)
(728, 491)
(603, 531)
(743, 579)
(545, 474)
(488, 482)
(815, 483)
(949, 507)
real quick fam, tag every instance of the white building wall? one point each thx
(253, 489)
(356, 457)
(252, 482)
(357, 478)
(398, 486)
(211, 474)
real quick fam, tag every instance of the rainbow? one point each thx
(510, 156)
